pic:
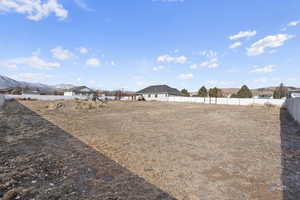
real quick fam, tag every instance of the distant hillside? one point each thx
(63, 86)
(7, 83)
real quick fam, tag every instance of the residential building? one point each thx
(79, 91)
(158, 91)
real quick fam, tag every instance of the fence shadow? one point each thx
(39, 160)
(290, 146)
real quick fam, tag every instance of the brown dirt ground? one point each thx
(190, 151)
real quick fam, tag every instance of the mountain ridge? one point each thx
(9, 83)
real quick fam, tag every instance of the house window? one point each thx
(149, 95)
(156, 95)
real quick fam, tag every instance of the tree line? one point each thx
(244, 92)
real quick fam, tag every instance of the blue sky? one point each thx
(130, 44)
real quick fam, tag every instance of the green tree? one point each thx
(244, 92)
(234, 96)
(280, 92)
(202, 92)
(215, 92)
(276, 94)
(184, 92)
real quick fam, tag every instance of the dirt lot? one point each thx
(181, 150)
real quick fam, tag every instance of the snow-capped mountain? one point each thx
(6, 83)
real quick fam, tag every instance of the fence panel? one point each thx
(2, 99)
(293, 106)
(224, 101)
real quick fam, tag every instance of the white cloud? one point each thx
(265, 69)
(211, 63)
(294, 23)
(34, 9)
(158, 68)
(61, 54)
(94, 62)
(33, 76)
(34, 61)
(291, 24)
(208, 53)
(170, 59)
(243, 34)
(82, 4)
(235, 45)
(271, 41)
(83, 50)
(185, 76)
(113, 63)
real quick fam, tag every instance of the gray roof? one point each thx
(81, 89)
(158, 89)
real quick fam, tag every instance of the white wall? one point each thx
(293, 106)
(43, 97)
(228, 101)
(2, 99)
(150, 97)
(68, 94)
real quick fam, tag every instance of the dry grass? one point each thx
(192, 151)
(89, 105)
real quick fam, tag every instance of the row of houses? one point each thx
(148, 93)
(152, 92)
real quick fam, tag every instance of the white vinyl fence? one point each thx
(293, 106)
(2, 99)
(43, 97)
(226, 101)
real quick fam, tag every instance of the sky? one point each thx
(131, 44)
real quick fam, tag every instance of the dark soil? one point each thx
(40, 161)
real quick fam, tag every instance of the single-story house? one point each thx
(158, 91)
(79, 91)
(6, 90)
(129, 97)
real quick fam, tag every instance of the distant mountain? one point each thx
(63, 86)
(6, 83)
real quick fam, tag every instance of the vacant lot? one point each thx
(189, 151)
